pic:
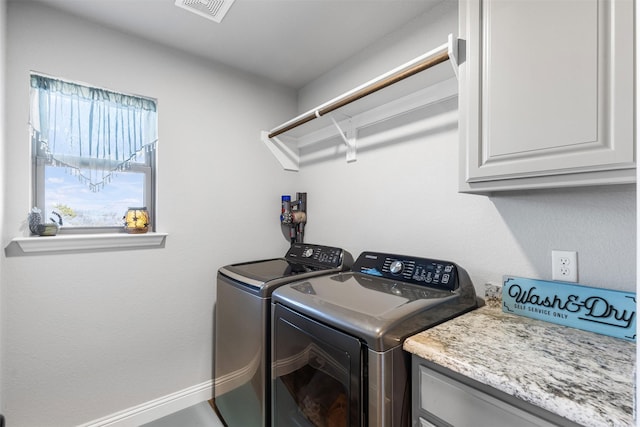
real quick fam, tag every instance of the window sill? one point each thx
(69, 243)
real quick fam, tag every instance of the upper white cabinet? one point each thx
(546, 94)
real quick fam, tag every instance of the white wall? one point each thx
(637, 135)
(401, 194)
(3, 27)
(86, 335)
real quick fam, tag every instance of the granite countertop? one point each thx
(582, 376)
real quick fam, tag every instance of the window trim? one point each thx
(149, 171)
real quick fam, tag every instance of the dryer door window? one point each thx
(316, 373)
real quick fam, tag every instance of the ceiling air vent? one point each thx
(210, 9)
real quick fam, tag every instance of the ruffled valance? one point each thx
(93, 132)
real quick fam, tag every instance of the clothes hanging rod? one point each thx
(421, 63)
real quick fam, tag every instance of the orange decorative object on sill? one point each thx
(136, 220)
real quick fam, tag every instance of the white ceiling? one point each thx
(291, 42)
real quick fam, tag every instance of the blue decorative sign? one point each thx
(603, 311)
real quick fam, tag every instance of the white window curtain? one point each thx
(94, 133)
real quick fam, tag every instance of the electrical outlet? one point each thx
(564, 266)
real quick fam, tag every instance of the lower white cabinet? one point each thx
(442, 401)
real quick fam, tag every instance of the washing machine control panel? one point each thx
(317, 256)
(417, 271)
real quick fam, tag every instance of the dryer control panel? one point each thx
(417, 271)
(318, 256)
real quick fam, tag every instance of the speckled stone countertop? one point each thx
(582, 376)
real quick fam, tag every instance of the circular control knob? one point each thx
(307, 253)
(396, 267)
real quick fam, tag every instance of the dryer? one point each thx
(337, 339)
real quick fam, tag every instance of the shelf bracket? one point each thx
(286, 154)
(452, 50)
(348, 136)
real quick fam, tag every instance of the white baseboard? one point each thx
(157, 408)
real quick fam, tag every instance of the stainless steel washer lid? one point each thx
(302, 260)
(379, 310)
(260, 272)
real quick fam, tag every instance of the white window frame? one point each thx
(148, 169)
(149, 191)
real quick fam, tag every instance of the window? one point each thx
(94, 153)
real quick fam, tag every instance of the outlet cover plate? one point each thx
(564, 266)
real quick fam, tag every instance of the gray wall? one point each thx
(83, 336)
(401, 193)
(86, 335)
(3, 26)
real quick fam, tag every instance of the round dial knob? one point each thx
(307, 253)
(396, 267)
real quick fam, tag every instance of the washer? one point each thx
(243, 327)
(337, 339)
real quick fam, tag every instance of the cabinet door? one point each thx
(444, 402)
(546, 90)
